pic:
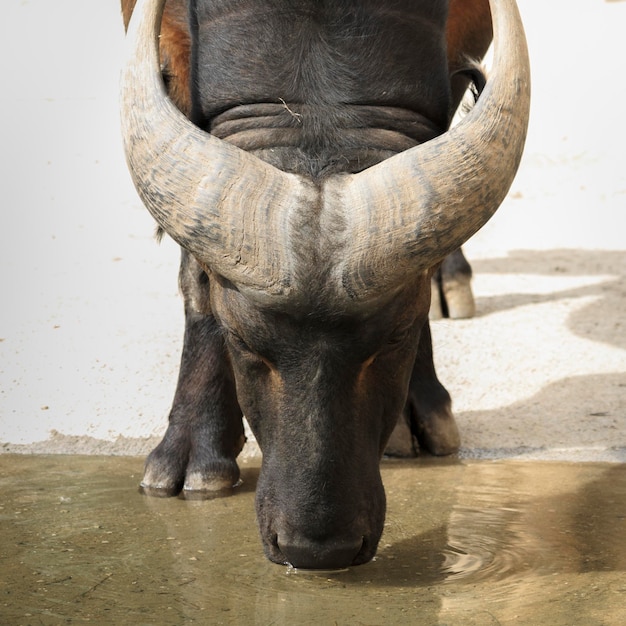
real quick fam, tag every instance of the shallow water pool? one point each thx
(464, 543)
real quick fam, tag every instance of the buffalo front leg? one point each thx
(205, 431)
(451, 289)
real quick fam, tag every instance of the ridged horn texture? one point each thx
(410, 211)
(239, 216)
(227, 207)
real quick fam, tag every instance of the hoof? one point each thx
(157, 491)
(166, 476)
(459, 298)
(211, 482)
(163, 476)
(438, 434)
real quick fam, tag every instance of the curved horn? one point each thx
(228, 208)
(407, 213)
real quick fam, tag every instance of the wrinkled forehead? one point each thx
(319, 303)
(316, 308)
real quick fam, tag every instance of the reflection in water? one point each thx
(487, 538)
(525, 534)
(477, 543)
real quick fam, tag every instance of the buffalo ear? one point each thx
(472, 76)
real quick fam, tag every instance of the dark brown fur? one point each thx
(468, 33)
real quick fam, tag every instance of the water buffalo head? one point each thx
(322, 285)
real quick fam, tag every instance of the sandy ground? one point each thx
(91, 321)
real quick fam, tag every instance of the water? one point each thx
(465, 543)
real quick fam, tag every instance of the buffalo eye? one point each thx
(240, 346)
(395, 341)
(397, 338)
(237, 342)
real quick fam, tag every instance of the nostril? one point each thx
(308, 554)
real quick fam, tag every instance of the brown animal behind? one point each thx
(175, 44)
(468, 30)
(469, 33)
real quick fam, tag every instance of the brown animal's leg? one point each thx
(205, 431)
(428, 404)
(451, 289)
(175, 48)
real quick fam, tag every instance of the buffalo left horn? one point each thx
(227, 207)
(410, 211)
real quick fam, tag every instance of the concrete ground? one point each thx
(91, 321)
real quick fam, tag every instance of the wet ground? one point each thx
(465, 543)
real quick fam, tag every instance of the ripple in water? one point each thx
(491, 538)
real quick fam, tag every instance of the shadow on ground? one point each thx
(602, 320)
